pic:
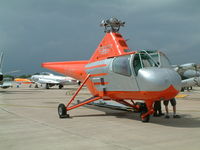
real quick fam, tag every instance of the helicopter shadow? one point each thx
(186, 120)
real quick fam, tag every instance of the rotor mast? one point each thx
(112, 25)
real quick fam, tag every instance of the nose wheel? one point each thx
(146, 118)
(145, 112)
(62, 112)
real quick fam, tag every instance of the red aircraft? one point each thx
(116, 73)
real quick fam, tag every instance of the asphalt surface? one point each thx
(29, 120)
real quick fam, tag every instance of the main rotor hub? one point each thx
(112, 25)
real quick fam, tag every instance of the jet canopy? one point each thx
(46, 73)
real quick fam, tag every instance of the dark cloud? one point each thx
(33, 32)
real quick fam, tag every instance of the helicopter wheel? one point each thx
(143, 111)
(62, 112)
(146, 119)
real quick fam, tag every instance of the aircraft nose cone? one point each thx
(32, 78)
(158, 79)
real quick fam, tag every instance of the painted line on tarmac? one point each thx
(28, 106)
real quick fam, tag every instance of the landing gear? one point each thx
(146, 110)
(60, 86)
(62, 112)
(47, 86)
(62, 109)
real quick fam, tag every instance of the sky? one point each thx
(37, 31)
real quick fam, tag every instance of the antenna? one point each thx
(112, 25)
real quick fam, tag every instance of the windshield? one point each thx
(144, 59)
(164, 61)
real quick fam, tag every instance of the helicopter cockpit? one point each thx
(142, 59)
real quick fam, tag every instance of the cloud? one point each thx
(33, 32)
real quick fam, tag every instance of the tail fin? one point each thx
(113, 44)
(1, 61)
(74, 69)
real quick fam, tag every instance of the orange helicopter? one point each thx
(114, 72)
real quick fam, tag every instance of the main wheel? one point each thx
(62, 112)
(143, 111)
(47, 86)
(60, 86)
(146, 119)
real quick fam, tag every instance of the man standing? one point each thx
(157, 109)
(173, 103)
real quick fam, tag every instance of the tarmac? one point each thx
(29, 121)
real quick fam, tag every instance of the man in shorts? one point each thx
(173, 103)
(157, 109)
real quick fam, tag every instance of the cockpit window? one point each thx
(142, 60)
(161, 58)
(164, 61)
(137, 63)
(145, 58)
(121, 65)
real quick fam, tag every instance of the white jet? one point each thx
(7, 82)
(50, 80)
(1, 63)
(190, 75)
(4, 82)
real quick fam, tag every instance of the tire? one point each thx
(60, 86)
(143, 111)
(62, 112)
(146, 119)
(47, 86)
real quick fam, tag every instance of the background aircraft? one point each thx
(1, 65)
(50, 80)
(4, 82)
(116, 73)
(23, 80)
(7, 82)
(190, 75)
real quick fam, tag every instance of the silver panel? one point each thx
(158, 79)
(116, 81)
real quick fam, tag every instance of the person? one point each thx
(157, 109)
(173, 103)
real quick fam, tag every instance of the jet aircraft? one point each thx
(4, 82)
(51, 80)
(190, 75)
(23, 81)
(114, 72)
(7, 82)
(1, 64)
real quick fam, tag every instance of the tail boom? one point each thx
(74, 69)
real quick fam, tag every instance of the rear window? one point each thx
(121, 65)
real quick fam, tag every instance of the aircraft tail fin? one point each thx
(1, 61)
(113, 44)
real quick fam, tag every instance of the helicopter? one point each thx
(116, 73)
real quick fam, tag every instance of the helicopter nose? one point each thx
(158, 79)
